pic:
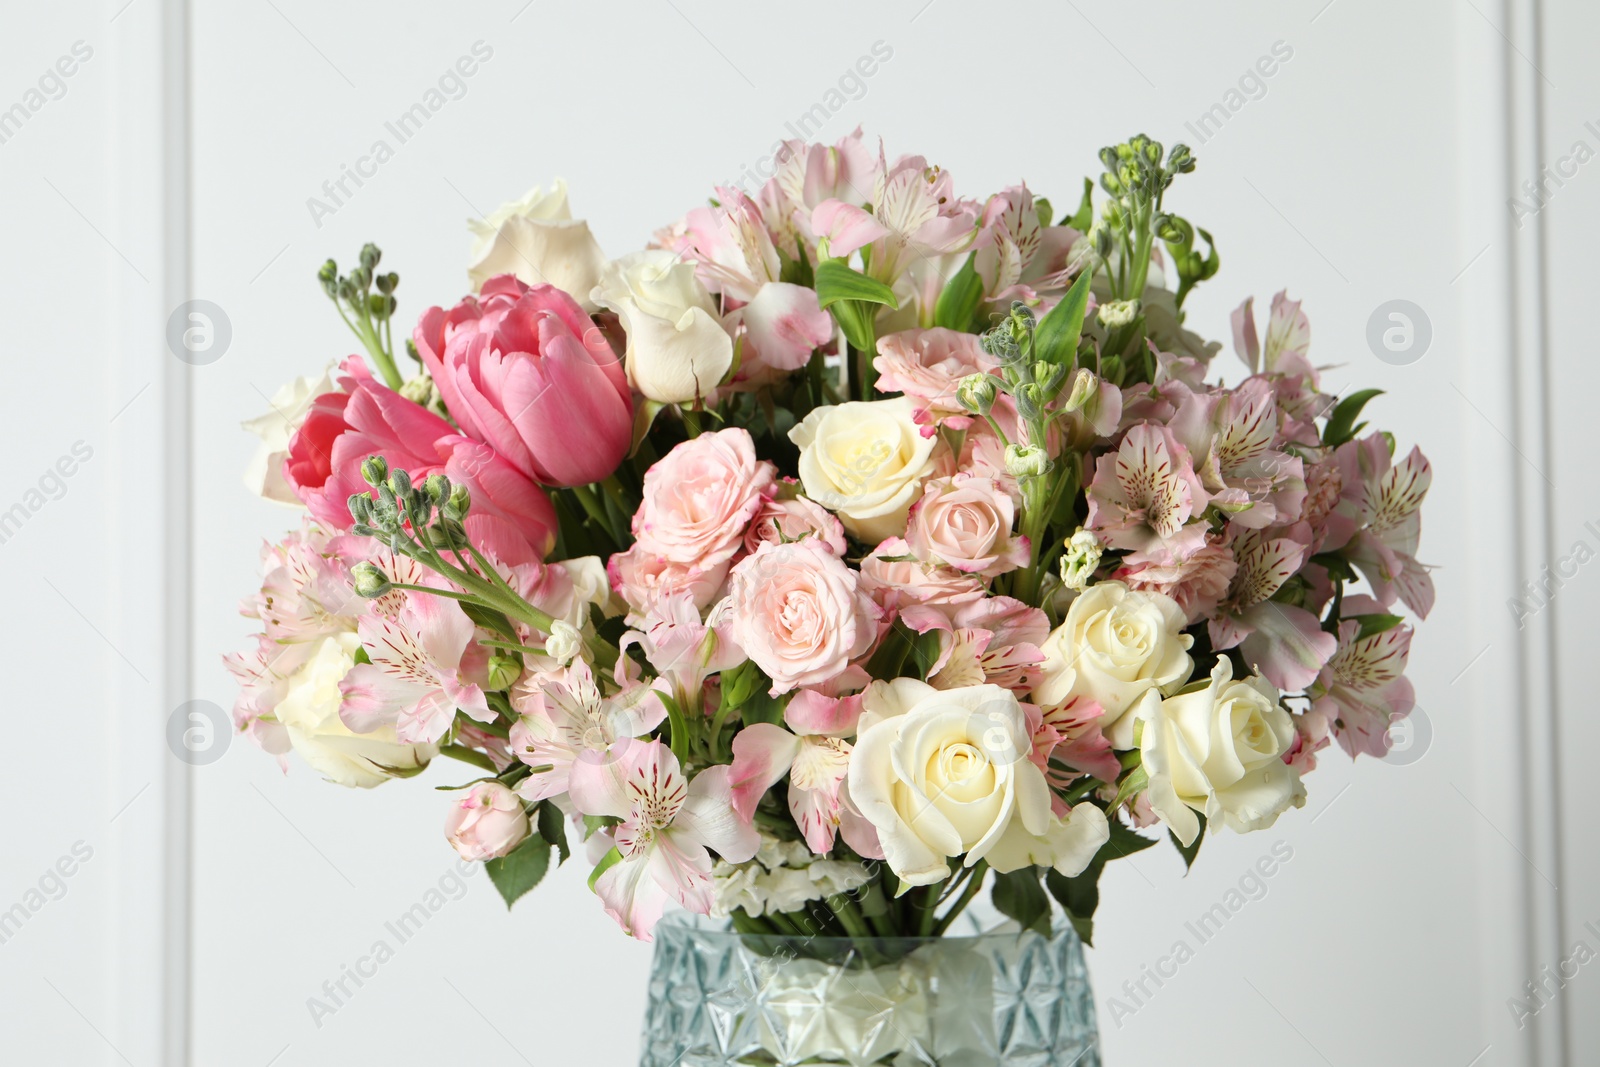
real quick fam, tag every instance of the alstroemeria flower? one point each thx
(1144, 494)
(1017, 258)
(1284, 361)
(1383, 500)
(914, 209)
(816, 757)
(735, 257)
(668, 825)
(683, 649)
(996, 640)
(1363, 690)
(424, 665)
(1231, 435)
(564, 715)
(1285, 643)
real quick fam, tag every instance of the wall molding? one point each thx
(148, 43)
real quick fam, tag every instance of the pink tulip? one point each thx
(524, 370)
(510, 516)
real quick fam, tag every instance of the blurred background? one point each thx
(1427, 160)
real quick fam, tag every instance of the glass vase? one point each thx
(1002, 997)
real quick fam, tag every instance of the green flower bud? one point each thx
(437, 486)
(400, 482)
(360, 505)
(421, 390)
(977, 393)
(370, 256)
(374, 470)
(1114, 313)
(369, 581)
(1026, 461)
(504, 670)
(1084, 386)
(456, 505)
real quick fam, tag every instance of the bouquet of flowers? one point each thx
(853, 546)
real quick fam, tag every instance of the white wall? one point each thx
(1376, 166)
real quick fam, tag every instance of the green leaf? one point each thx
(856, 320)
(1342, 423)
(1084, 217)
(1193, 850)
(1375, 623)
(553, 828)
(1019, 896)
(837, 281)
(959, 300)
(740, 682)
(1336, 565)
(796, 271)
(608, 861)
(1124, 842)
(1055, 339)
(925, 649)
(521, 869)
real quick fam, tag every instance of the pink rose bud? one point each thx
(524, 370)
(487, 823)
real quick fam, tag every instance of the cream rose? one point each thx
(1114, 646)
(1219, 751)
(678, 350)
(798, 612)
(537, 239)
(865, 461)
(290, 405)
(945, 773)
(309, 712)
(965, 522)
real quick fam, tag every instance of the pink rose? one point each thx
(510, 515)
(893, 577)
(1197, 582)
(487, 823)
(965, 522)
(699, 498)
(799, 613)
(782, 520)
(928, 365)
(641, 577)
(525, 371)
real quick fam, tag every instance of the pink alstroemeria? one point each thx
(1145, 493)
(1285, 363)
(994, 641)
(1382, 500)
(682, 648)
(1284, 642)
(424, 665)
(736, 257)
(1017, 258)
(816, 757)
(564, 715)
(1231, 434)
(305, 589)
(1071, 742)
(668, 825)
(1363, 690)
(914, 208)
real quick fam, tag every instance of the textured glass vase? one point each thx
(1004, 997)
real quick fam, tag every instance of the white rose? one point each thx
(945, 773)
(866, 462)
(290, 405)
(537, 239)
(1219, 751)
(1115, 645)
(309, 711)
(678, 350)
